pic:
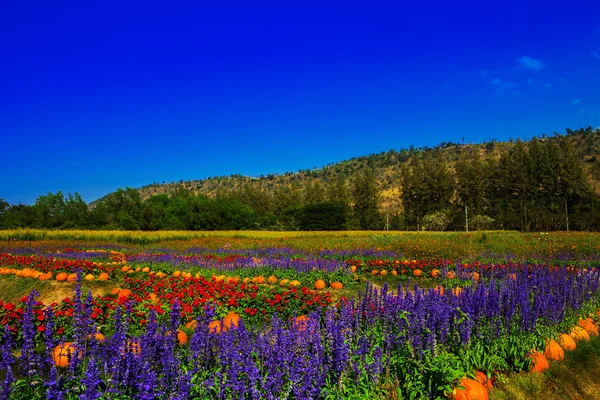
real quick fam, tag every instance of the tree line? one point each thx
(537, 185)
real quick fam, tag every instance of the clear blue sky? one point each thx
(97, 97)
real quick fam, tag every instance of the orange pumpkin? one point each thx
(539, 362)
(482, 378)
(320, 284)
(272, 280)
(72, 278)
(590, 327)
(294, 283)
(192, 324)
(284, 282)
(474, 275)
(375, 272)
(578, 333)
(103, 276)
(260, 280)
(567, 342)
(231, 320)
(97, 336)
(62, 354)
(181, 337)
(451, 275)
(394, 272)
(383, 272)
(553, 351)
(177, 274)
(435, 273)
(301, 322)
(470, 389)
(146, 269)
(125, 268)
(215, 327)
(417, 272)
(353, 268)
(90, 277)
(124, 293)
(61, 276)
(336, 285)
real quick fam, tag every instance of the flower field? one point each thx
(283, 317)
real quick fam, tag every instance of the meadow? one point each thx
(297, 315)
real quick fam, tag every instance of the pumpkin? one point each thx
(62, 354)
(383, 272)
(103, 276)
(61, 276)
(72, 278)
(90, 277)
(375, 272)
(417, 272)
(272, 280)
(36, 274)
(181, 337)
(283, 282)
(435, 273)
(125, 268)
(177, 274)
(567, 342)
(539, 362)
(589, 326)
(482, 378)
(124, 293)
(215, 327)
(97, 336)
(231, 320)
(470, 389)
(451, 275)
(294, 283)
(301, 322)
(578, 333)
(336, 285)
(553, 351)
(192, 324)
(320, 284)
(138, 269)
(146, 269)
(474, 275)
(353, 268)
(394, 272)
(246, 280)
(46, 276)
(133, 346)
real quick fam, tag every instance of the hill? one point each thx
(386, 165)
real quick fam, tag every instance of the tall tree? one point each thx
(365, 196)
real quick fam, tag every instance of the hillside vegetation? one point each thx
(547, 183)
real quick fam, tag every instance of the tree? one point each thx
(322, 217)
(365, 196)
(427, 187)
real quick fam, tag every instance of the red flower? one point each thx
(41, 328)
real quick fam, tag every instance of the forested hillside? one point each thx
(547, 183)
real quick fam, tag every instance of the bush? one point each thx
(481, 222)
(437, 221)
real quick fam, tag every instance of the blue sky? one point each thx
(97, 96)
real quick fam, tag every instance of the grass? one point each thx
(577, 377)
(418, 245)
(12, 288)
